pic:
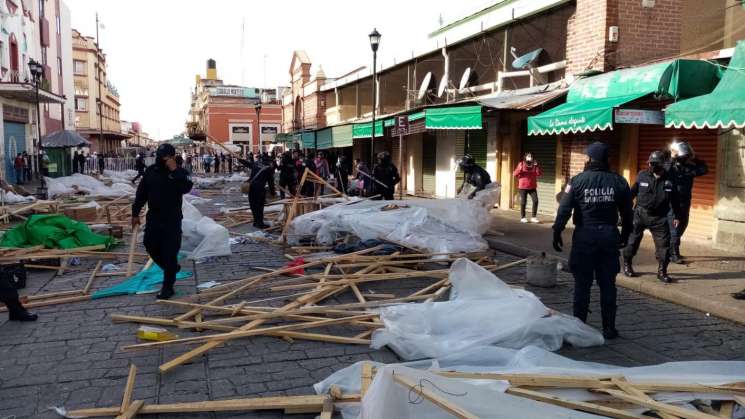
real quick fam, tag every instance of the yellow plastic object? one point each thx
(155, 333)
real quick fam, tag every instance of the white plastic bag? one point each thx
(202, 237)
(482, 310)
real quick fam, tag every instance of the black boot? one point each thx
(609, 322)
(165, 293)
(739, 295)
(17, 312)
(662, 273)
(675, 256)
(628, 269)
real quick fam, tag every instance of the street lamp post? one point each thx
(257, 107)
(374, 43)
(36, 71)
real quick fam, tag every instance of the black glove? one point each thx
(558, 242)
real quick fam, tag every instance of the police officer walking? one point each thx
(655, 196)
(162, 188)
(386, 176)
(261, 173)
(683, 167)
(594, 199)
(473, 175)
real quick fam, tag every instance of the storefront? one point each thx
(715, 125)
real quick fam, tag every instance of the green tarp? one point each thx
(722, 108)
(363, 130)
(54, 232)
(591, 101)
(342, 136)
(454, 117)
(323, 139)
(147, 281)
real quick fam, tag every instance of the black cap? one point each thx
(597, 151)
(165, 150)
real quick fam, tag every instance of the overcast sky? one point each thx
(156, 47)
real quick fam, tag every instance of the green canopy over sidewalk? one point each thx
(54, 231)
(722, 108)
(591, 101)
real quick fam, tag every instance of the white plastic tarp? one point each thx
(437, 225)
(77, 183)
(482, 310)
(10, 198)
(202, 236)
(529, 360)
(120, 176)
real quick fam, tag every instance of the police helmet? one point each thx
(466, 161)
(165, 150)
(681, 150)
(656, 158)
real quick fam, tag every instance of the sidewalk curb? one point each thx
(649, 287)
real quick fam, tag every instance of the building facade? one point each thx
(33, 31)
(485, 75)
(137, 137)
(96, 99)
(228, 113)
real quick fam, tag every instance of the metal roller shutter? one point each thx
(544, 151)
(476, 146)
(704, 142)
(460, 150)
(429, 163)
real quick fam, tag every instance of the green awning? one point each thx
(342, 136)
(454, 117)
(323, 139)
(363, 130)
(722, 108)
(591, 101)
(415, 116)
(308, 139)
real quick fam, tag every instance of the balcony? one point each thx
(195, 132)
(16, 85)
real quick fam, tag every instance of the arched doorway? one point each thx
(298, 117)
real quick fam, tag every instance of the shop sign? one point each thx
(639, 116)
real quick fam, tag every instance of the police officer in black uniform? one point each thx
(262, 171)
(386, 175)
(682, 168)
(162, 188)
(594, 199)
(9, 297)
(655, 196)
(473, 175)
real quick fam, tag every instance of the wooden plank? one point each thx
(435, 398)
(366, 378)
(52, 295)
(630, 389)
(89, 284)
(132, 246)
(53, 302)
(726, 410)
(129, 388)
(571, 404)
(307, 403)
(659, 406)
(328, 408)
(132, 410)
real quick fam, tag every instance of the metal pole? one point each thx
(100, 98)
(258, 126)
(37, 79)
(374, 105)
(400, 163)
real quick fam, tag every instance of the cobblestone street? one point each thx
(71, 357)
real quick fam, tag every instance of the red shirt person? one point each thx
(527, 172)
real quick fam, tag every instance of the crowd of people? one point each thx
(90, 163)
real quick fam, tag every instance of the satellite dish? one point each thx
(442, 87)
(424, 86)
(525, 61)
(465, 79)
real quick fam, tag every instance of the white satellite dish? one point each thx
(424, 86)
(465, 79)
(442, 87)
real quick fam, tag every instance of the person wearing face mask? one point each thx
(683, 168)
(527, 172)
(656, 196)
(594, 199)
(162, 188)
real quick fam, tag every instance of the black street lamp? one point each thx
(374, 43)
(37, 70)
(257, 107)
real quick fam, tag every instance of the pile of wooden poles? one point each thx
(223, 309)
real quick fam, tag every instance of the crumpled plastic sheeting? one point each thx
(437, 225)
(10, 198)
(120, 176)
(532, 360)
(482, 310)
(88, 185)
(202, 237)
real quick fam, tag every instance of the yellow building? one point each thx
(96, 100)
